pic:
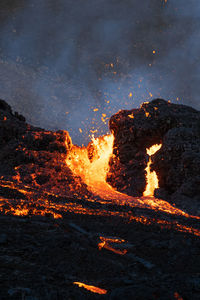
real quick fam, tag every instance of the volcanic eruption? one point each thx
(143, 176)
(118, 217)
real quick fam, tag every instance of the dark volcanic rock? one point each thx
(12, 125)
(177, 163)
(33, 156)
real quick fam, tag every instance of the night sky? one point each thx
(70, 65)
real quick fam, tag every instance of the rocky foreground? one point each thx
(54, 232)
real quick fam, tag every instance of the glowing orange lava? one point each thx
(93, 172)
(92, 165)
(152, 179)
(105, 243)
(91, 288)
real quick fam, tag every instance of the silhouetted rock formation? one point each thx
(177, 163)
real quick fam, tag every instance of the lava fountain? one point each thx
(93, 170)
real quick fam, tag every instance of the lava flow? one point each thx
(59, 214)
(93, 173)
(37, 180)
(91, 288)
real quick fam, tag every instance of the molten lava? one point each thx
(93, 172)
(152, 179)
(105, 243)
(92, 165)
(91, 288)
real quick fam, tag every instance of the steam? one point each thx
(62, 60)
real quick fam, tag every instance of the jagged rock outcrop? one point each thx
(34, 156)
(177, 163)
